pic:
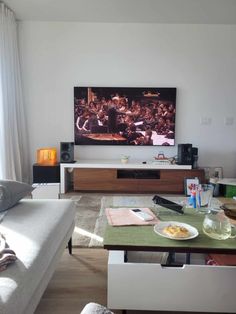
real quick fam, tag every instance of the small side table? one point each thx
(46, 181)
(46, 173)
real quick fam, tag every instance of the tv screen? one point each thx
(124, 116)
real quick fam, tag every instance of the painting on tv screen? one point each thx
(124, 116)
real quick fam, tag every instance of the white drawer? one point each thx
(143, 286)
(46, 191)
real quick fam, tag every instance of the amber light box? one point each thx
(47, 156)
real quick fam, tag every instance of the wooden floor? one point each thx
(79, 279)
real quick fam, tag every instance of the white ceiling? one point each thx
(127, 11)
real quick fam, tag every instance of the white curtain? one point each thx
(14, 157)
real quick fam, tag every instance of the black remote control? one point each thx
(168, 204)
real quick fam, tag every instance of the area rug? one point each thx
(91, 221)
(86, 218)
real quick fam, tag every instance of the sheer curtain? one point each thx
(14, 159)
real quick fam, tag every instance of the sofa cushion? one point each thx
(12, 192)
(95, 308)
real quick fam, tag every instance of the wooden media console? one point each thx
(133, 178)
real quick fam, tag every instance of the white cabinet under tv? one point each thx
(110, 176)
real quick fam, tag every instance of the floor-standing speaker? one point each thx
(185, 154)
(67, 152)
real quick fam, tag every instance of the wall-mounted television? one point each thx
(124, 116)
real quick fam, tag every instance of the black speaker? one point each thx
(185, 154)
(194, 151)
(194, 157)
(46, 174)
(67, 152)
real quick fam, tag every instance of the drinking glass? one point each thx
(204, 193)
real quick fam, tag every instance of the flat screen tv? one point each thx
(124, 116)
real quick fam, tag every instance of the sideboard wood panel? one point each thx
(134, 180)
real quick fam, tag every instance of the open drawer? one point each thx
(151, 286)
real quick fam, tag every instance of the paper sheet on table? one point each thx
(124, 217)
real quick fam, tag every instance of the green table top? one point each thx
(143, 238)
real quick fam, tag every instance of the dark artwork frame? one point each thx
(138, 116)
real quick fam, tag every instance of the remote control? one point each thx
(168, 204)
(141, 214)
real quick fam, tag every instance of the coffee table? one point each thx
(140, 286)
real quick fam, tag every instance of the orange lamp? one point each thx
(47, 156)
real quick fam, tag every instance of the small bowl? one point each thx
(230, 210)
(124, 160)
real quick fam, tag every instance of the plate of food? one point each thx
(176, 230)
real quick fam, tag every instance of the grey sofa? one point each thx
(38, 231)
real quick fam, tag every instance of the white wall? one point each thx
(200, 60)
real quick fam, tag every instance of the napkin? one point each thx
(124, 217)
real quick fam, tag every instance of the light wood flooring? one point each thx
(79, 279)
